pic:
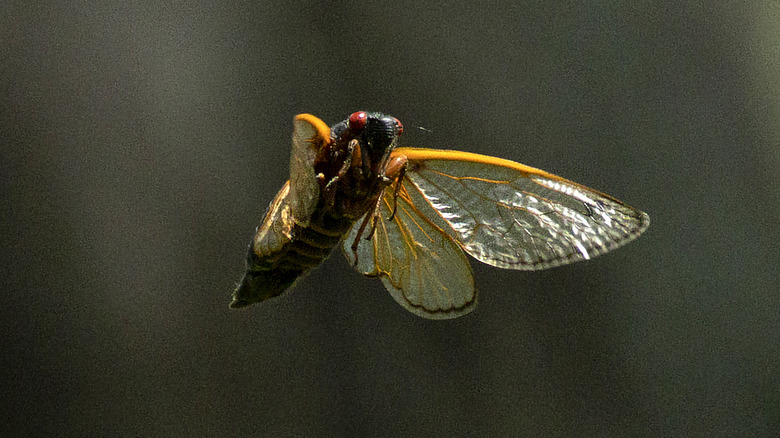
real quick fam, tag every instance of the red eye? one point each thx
(357, 121)
(399, 127)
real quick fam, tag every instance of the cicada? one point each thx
(408, 216)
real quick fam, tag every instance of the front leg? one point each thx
(370, 216)
(331, 186)
(396, 171)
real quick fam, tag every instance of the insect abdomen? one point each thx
(283, 250)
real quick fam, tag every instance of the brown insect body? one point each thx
(336, 177)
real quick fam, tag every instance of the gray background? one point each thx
(142, 142)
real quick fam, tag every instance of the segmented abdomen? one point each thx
(283, 249)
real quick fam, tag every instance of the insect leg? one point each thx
(362, 228)
(374, 218)
(330, 187)
(396, 171)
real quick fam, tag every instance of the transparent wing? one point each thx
(420, 265)
(513, 216)
(310, 135)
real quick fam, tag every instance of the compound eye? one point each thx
(399, 127)
(357, 121)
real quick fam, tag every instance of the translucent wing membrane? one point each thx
(516, 217)
(309, 136)
(421, 266)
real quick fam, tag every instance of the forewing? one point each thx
(276, 229)
(310, 136)
(420, 265)
(516, 217)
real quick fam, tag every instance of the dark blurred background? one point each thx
(142, 142)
